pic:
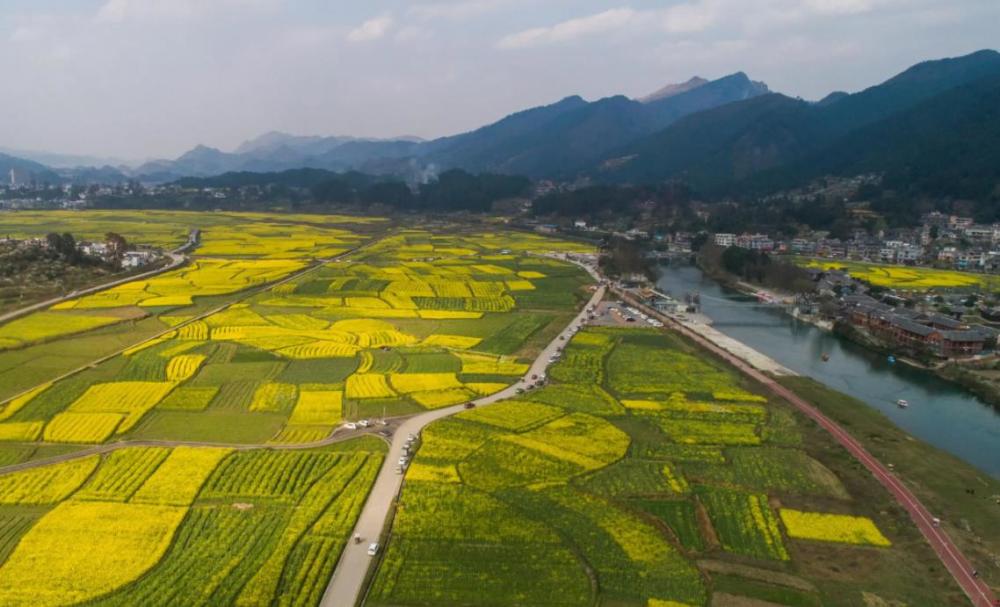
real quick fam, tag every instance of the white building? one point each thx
(725, 240)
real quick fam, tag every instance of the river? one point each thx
(940, 412)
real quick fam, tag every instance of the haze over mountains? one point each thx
(720, 136)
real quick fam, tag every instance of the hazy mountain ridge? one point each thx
(674, 89)
(731, 135)
(557, 139)
(718, 148)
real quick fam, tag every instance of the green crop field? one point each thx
(644, 473)
(158, 526)
(651, 475)
(226, 351)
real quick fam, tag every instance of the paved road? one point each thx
(177, 258)
(978, 591)
(348, 579)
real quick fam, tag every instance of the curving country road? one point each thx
(958, 566)
(239, 297)
(177, 258)
(348, 578)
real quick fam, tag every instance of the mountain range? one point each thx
(937, 118)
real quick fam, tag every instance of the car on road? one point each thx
(519, 391)
(399, 469)
(470, 405)
(373, 549)
(351, 426)
(364, 423)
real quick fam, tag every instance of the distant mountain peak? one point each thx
(671, 90)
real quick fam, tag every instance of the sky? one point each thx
(139, 79)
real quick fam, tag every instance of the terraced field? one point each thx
(644, 474)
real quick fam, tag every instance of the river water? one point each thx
(940, 413)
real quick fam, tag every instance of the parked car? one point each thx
(351, 426)
(373, 549)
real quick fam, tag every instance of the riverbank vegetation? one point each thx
(734, 264)
(964, 498)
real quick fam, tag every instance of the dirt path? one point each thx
(978, 592)
(348, 579)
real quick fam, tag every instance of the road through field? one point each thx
(177, 258)
(239, 297)
(958, 566)
(348, 579)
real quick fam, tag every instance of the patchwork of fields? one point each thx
(192, 526)
(908, 278)
(643, 474)
(237, 251)
(415, 321)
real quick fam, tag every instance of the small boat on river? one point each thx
(902, 404)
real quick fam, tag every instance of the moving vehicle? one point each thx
(373, 549)
(470, 405)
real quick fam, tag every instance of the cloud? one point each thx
(689, 18)
(570, 30)
(373, 29)
(118, 11)
(457, 10)
(678, 19)
(839, 7)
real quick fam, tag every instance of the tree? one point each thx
(117, 245)
(391, 193)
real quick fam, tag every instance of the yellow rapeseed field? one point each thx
(179, 478)
(81, 550)
(840, 528)
(70, 427)
(407, 383)
(317, 407)
(368, 385)
(8, 409)
(184, 366)
(20, 431)
(46, 485)
(47, 325)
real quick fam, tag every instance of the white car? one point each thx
(364, 423)
(351, 426)
(373, 549)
